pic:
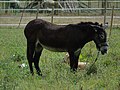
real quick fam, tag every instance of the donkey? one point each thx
(69, 38)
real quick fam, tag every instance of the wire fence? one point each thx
(69, 6)
(64, 11)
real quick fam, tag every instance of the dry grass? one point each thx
(15, 20)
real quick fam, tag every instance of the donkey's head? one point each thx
(100, 38)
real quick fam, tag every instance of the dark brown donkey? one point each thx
(62, 38)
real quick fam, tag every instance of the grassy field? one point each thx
(57, 75)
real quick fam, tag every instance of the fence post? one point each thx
(89, 4)
(38, 9)
(105, 11)
(6, 7)
(22, 14)
(52, 13)
(111, 21)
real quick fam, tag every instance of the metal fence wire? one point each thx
(67, 11)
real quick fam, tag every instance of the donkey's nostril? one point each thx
(103, 49)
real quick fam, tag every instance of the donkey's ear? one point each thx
(101, 25)
(95, 28)
(105, 26)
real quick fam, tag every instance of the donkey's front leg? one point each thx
(74, 56)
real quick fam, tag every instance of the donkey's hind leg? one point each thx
(37, 54)
(30, 52)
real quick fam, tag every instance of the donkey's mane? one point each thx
(89, 23)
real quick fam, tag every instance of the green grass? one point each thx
(57, 75)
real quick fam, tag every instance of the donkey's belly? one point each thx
(53, 48)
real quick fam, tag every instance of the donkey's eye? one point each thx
(102, 36)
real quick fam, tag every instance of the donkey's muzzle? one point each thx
(104, 49)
